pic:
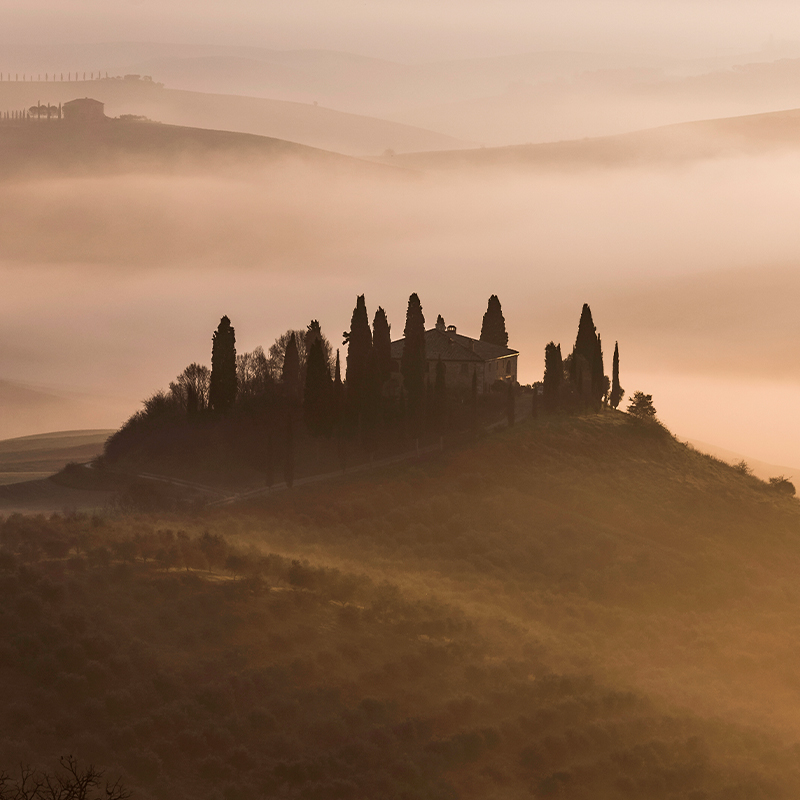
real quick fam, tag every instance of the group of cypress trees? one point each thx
(357, 404)
(578, 382)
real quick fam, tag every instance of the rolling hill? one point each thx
(58, 147)
(304, 123)
(776, 132)
(34, 457)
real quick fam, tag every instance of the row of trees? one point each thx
(302, 367)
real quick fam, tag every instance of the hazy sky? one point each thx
(414, 29)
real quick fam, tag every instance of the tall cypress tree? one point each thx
(493, 329)
(617, 392)
(583, 356)
(359, 344)
(598, 374)
(317, 397)
(338, 391)
(291, 366)
(222, 385)
(553, 376)
(382, 345)
(413, 365)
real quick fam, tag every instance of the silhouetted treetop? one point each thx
(290, 375)
(493, 329)
(617, 392)
(412, 363)
(382, 346)
(222, 385)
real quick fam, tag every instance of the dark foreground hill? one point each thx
(579, 608)
(776, 132)
(56, 148)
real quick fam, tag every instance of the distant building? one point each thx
(461, 356)
(84, 110)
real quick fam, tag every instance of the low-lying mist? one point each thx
(115, 282)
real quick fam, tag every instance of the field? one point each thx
(580, 608)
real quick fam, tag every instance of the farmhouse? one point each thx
(462, 357)
(84, 110)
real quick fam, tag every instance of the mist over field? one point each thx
(689, 266)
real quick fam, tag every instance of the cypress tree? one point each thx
(359, 344)
(290, 374)
(382, 346)
(583, 356)
(317, 396)
(598, 374)
(617, 392)
(222, 385)
(413, 365)
(493, 329)
(553, 376)
(338, 391)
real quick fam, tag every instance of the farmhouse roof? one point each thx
(83, 101)
(452, 346)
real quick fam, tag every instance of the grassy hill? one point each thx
(581, 608)
(305, 123)
(690, 141)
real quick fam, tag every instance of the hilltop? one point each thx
(758, 134)
(577, 606)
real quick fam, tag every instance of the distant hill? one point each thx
(755, 134)
(57, 146)
(303, 123)
(32, 457)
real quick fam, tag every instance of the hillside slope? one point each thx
(775, 132)
(580, 608)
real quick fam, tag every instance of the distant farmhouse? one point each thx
(84, 110)
(462, 357)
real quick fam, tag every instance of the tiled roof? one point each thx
(451, 346)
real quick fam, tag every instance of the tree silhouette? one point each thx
(290, 374)
(413, 365)
(222, 384)
(359, 344)
(191, 388)
(493, 329)
(641, 406)
(382, 345)
(317, 395)
(598, 374)
(583, 356)
(553, 376)
(71, 783)
(617, 392)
